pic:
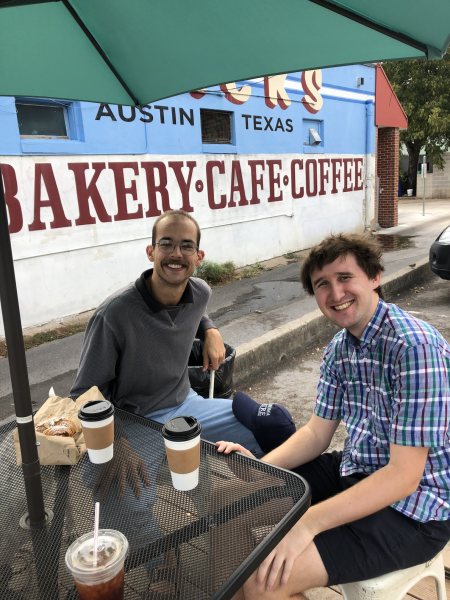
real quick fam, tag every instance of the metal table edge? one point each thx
(251, 563)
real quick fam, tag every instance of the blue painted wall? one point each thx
(342, 123)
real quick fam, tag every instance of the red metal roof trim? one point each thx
(388, 110)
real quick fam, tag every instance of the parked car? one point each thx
(440, 255)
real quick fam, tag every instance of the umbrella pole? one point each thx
(19, 376)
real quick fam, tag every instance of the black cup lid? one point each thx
(96, 410)
(181, 429)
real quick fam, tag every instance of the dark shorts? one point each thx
(383, 542)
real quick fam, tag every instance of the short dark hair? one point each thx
(175, 214)
(365, 248)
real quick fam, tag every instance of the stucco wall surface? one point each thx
(250, 208)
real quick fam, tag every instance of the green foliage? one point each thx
(423, 88)
(403, 176)
(213, 272)
(31, 341)
(252, 271)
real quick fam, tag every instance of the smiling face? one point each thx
(174, 269)
(345, 294)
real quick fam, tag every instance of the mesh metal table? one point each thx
(192, 545)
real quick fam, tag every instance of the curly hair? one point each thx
(366, 250)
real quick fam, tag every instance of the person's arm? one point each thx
(213, 347)
(306, 444)
(397, 480)
(205, 325)
(99, 357)
(213, 350)
(315, 437)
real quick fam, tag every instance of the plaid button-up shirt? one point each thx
(392, 388)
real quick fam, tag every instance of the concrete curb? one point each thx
(261, 353)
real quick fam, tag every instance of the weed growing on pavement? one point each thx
(252, 271)
(213, 272)
(289, 255)
(31, 341)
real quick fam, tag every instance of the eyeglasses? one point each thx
(186, 248)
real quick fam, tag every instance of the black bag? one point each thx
(223, 380)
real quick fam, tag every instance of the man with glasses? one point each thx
(137, 343)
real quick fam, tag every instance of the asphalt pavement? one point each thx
(243, 310)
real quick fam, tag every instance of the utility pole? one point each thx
(424, 175)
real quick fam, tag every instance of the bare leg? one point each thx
(308, 572)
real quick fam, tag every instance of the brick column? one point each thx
(387, 171)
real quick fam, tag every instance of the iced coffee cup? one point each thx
(97, 422)
(182, 440)
(100, 579)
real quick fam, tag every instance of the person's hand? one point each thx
(213, 350)
(126, 463)
(227, 447)
(284, 555)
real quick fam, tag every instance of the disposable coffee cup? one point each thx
(182, 439)
(97, 422)
(102, 578)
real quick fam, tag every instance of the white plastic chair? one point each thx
(396, 585)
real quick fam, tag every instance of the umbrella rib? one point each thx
(14, 3)
(100, 50)
(396, 35)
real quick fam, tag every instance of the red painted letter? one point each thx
(311, 180)
(122, 191)
(44, 171)
(236, 173)
(347, 174)
(274, 180)
(301, 192)
(210, 165)
(358, 174)
(12, 203)
(275, 93)
(256, 181)
(184, 185)
(323, 175)
(84, 192)
(336, 173)
(234, 95)
(153, 189)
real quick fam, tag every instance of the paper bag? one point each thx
(55, 450)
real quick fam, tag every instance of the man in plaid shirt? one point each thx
(383, 504)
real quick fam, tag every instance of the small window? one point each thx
(41, 120)
(216, 126)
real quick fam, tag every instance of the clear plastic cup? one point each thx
(105, 579)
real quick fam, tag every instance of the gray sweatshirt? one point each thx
(136, 350)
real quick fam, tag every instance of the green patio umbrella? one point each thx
(135, 52)
(138, 51)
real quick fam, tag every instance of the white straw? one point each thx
(211, 383)
(96, 524)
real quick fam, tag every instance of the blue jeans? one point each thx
(217, 420)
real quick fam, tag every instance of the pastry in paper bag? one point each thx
(58, 430)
